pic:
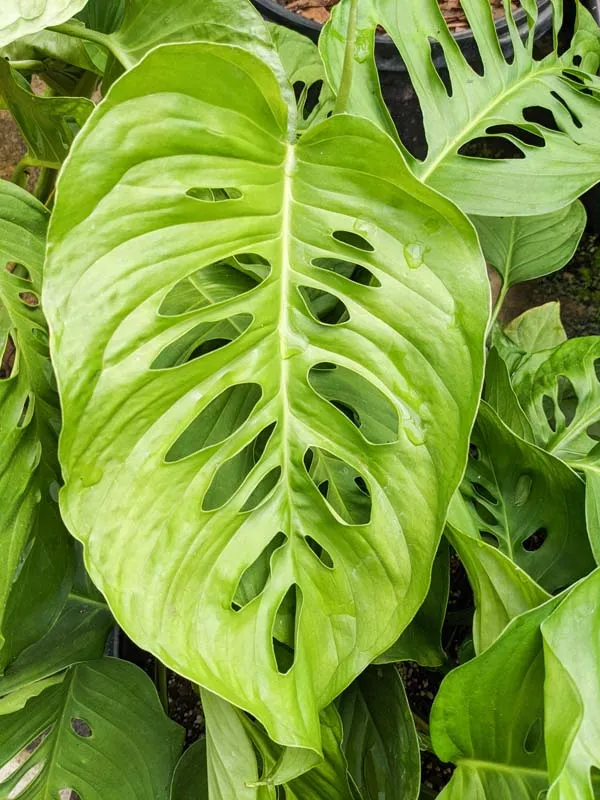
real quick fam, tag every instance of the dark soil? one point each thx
(319, 10)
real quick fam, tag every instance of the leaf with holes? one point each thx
(422, 640)
(242, 760)
(36, 567)
(542, 116)
(489, 714)
(284, 450)
(528, 503)
(502, 589)
(98, 734)
(523, 248)
(48, 124)
(572, 692)
(380, 740)
(21, 17)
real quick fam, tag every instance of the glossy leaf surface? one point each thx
(554, 153)
(340, 249)
(528, 503)
(99, 732)
(190, 780)
(21, 17)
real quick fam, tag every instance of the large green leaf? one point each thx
(572, 692)
(524, 248)
(333, 226)
(190, 779)
(528, 503)
(502, 590)
(556, 155)
(488, 717)
(21, 17)
(380, 740)
(35, 572)
(99, 732)
(48, 124)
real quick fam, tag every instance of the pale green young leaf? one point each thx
(380, 740)
(524, 248)
(572, 692)
(556, 169)
(188, 194)
(537, 329)
(528, 503)
(498, 746)
(502, 590)
(21, 17)
(100, 732)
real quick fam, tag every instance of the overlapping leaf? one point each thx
(97, 730)
(555, 151)
(340, 251)
(21, 17)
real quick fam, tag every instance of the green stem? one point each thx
(27, 66)
(89, 35)
(343, 98)
(162, 684)
(45, 184)
(20, 174)
(498, 305)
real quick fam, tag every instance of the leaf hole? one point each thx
(213, 195)
(22, 757)
(549, 411)
(284, 629)
(597, 368)
(491, 148)
(594, 432)
(344, 490)
(230, 476)
(485, 493)
(215, 283)
(205, 338)
(367, 408)
(519, 133)
(484, 514)
(539, 115)
(567, 399)
(320, 552)
(490, 538)
(7, 361)
(324, 307)
(474, 452)
(19, 271)
(438, 62)
(533, 737)
(353, 239)
(26, 413)
(221, 418)
(574, 118)
(29, 299)
(26, 781)
(352, 272)
(536, 540)
(254, 578)
(81, 728)
(263, 490)
(68, 794)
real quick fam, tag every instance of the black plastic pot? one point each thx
(395, 83)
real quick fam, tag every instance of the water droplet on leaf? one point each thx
(413, 253)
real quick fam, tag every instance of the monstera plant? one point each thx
(244, 335)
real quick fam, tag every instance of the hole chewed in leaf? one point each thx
(221, 418)
(320, 552)
(353, 240)
(342, 487)
(536, 540)
(358, 399)
(213, 195)
(254, 578)
(232, 474)
(205, 338)
(324, 306)
(353, 272)
(215, 283)
(284, 629)
(81, 728)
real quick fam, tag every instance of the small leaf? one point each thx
(537, 329)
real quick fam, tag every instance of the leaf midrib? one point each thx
(465, 133)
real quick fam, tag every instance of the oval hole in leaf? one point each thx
(263, 490)
(215, 283)
(68, 794)
(540, 115)
(484, 513)
(353, 272)
(523, 490)
(353, 240)
(205, 338)
(324, 306)
(254, 578)
(485, 493)
(533, 737)
(491, 148)
(25, 782)
(320, 552)
(284, 629)
(490, 538)
(549, 411)
(536, 540)
(81, 728)
(232, 474)
(26, 413)
(474, 452)
(29, 299)
(359, 400)
(213, 194)
(7, 361)
(22, 757)
(594, 431)
(342, 487)
(567, 399)
(221, 418)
